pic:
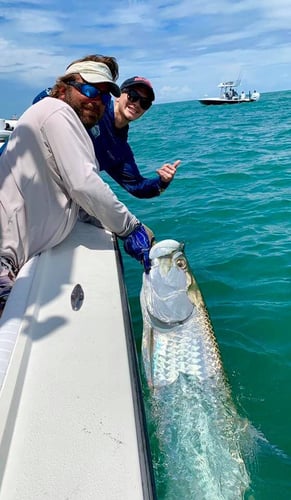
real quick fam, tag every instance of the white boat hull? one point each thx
(218, 101)
(71, 420)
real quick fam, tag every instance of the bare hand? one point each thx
(168, 170)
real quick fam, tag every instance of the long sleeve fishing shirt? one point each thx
(47, 171)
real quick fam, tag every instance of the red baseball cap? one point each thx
(135, 81)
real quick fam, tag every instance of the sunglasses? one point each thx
(134, 96)
(90, 91)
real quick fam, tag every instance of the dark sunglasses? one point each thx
(134, 96)
(90, 91)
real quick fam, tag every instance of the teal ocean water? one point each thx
(231, 204)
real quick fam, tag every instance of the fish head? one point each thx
(167, 286)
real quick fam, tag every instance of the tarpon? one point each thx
(200, 435)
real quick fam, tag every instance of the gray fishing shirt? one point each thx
(47, 172)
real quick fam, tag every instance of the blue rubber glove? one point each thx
(137, 244)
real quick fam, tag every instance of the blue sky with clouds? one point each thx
(185, 47)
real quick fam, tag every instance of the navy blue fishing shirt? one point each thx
(115, 156)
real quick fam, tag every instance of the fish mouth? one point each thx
(167, 310)
(166, 286)
(165, 248)
(169, 324)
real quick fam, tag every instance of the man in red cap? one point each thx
(110, 140)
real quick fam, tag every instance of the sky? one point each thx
(185, 47)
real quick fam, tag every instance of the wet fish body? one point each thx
(191, 399)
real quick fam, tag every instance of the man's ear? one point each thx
(62, 91)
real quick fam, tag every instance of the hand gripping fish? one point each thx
(197, 426)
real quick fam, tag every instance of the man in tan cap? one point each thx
(48, 171)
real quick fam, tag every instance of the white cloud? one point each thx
(184, 46)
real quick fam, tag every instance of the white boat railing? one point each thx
(72, 422)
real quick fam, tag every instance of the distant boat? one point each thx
(230, 95)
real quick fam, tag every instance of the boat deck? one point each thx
(71, 413)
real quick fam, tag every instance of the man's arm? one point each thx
(75, 160)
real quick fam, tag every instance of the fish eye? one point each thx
(181, 263)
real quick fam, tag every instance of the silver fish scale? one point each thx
(189, 348)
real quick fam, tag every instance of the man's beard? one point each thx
(89, 113)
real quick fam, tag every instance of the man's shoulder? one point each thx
(50, 105)
(50, 110)
(44, 101)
